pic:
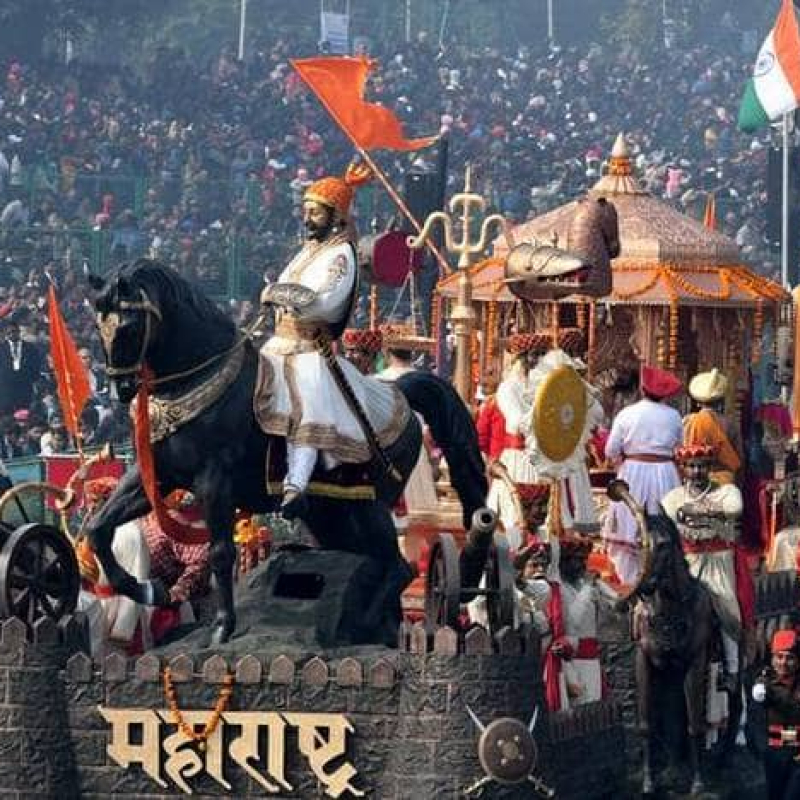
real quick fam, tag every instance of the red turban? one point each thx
(659, 383)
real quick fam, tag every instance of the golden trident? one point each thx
(463, 315)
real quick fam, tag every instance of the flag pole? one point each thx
(785, 205)
(400, 203)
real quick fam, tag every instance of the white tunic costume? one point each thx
(113, 617)
(304, 403)
(714, 540)
(514, 400)
(651, 430)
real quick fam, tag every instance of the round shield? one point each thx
(559, 414)
(507, 751)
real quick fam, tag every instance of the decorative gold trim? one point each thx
(168, 415)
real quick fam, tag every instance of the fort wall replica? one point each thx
(422, 721)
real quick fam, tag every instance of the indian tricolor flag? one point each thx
(774, 89)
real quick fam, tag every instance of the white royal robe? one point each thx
(304, 403)
(648, 428)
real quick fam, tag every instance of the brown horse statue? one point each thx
(676, 631)
(537, 271)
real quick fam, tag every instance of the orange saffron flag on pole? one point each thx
(339, 83)
(71, 378)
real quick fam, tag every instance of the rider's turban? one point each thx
(369, 340)
(695, 452)
(337, 193)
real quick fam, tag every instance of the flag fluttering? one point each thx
(339, 83)
(774, 89)
(72, 381)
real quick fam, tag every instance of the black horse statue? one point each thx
(203, 373)
(676, 631)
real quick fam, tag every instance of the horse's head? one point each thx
(128, 321)
(607, 224)
(666, 556)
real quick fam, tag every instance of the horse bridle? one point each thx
(108, 331)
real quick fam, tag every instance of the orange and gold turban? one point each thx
(337, 192)
(695, 452)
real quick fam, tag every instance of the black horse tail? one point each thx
(453, 430)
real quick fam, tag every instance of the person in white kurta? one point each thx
(708, 516)
(642, 441)
(514, 400)
(114, 620)
(304, 402)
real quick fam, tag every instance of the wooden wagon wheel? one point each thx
(21, 504)
(500, 597)
(443, 584)
(39, 574)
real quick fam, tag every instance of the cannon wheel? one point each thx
(443, 584)
(21, 504)
(39, 574)
(500, 599)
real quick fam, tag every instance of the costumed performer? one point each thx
(778, 688)
(123, 625)
(707, 426)
(708, 516)
(642, 443)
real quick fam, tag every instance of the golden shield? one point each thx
(559, 413)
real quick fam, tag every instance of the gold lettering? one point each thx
(322, 738)
(245, 747)
(120, 748)
(184, 761)
(320, 750)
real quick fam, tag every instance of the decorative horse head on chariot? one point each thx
(539, 271)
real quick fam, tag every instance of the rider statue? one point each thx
(708, 516)
(324, 406)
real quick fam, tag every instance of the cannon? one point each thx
(39, 574)
(484, 568)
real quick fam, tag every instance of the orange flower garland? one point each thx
(758, 331)
(220, 707)
(491, 333)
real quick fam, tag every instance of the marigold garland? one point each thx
(220, 707)
(491, 332)
(758, 330)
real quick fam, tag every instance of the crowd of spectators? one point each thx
(203, 165)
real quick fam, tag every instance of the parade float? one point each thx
(680, 298)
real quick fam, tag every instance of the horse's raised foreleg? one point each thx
(127, 502)
(213, 487)
(644, 706)
(694, 688)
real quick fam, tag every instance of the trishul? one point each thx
(469, 202)
(462, 315)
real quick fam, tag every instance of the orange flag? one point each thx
(71, 378)
(710, 215)
(339, 83)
